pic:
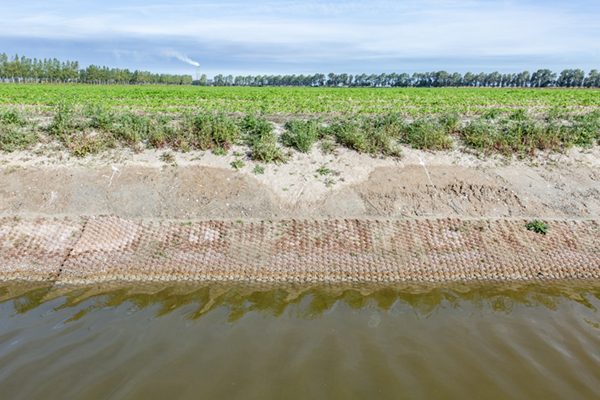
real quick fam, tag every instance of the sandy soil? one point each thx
(203, 186)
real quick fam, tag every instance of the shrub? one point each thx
(101, 118)
(522, 137)
(129, 128)
(374, 135)
(429, 134)
(302, 134)
(586, 129)
(206, 131)
(493, 113)
(64, 122)
(451, 122)
(261, 139)
(350, 134)
(266, 150)
(254, 127)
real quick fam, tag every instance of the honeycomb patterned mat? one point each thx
(430, 250)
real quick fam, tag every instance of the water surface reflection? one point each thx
(221, 340)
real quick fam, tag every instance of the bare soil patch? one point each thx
(204, 186)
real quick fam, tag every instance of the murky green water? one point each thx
(219, 341)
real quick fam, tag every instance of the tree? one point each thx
(543, 78)
(593, 79)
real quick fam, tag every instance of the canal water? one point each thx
(249, 341)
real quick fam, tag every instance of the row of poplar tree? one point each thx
(539, 78)
(23, 69)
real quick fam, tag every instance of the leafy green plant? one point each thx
(350, 134)
(237, 164)
(258, 170)
(538, 227)
(586, 129)
(451, 122)
(492, 114)
(329, 182)
(323, 171)
(266, 150)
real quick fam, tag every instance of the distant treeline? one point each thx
(540, 78)
(23, 69)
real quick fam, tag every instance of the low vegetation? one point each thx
(262, 140)
(92, 129)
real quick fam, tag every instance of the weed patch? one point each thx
(12, 138)
(538, 227)
(205, 131)
(237, 164)
(373, 135)
(84, 144)
(521, 137)
(11, 117)
(262, 140)
(430, 134)
(302, 134)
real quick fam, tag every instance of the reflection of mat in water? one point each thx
(109, 248)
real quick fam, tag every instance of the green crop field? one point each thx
(293, 100)
(90, 119)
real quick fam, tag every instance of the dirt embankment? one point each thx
(203, 186)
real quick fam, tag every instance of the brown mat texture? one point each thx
(110, 248)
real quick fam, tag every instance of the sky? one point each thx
(307, 37)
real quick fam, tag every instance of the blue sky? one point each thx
(306, 37)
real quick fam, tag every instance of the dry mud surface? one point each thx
(426, 216)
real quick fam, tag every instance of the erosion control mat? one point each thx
(110, 248)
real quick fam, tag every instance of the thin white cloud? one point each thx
(318, 31)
